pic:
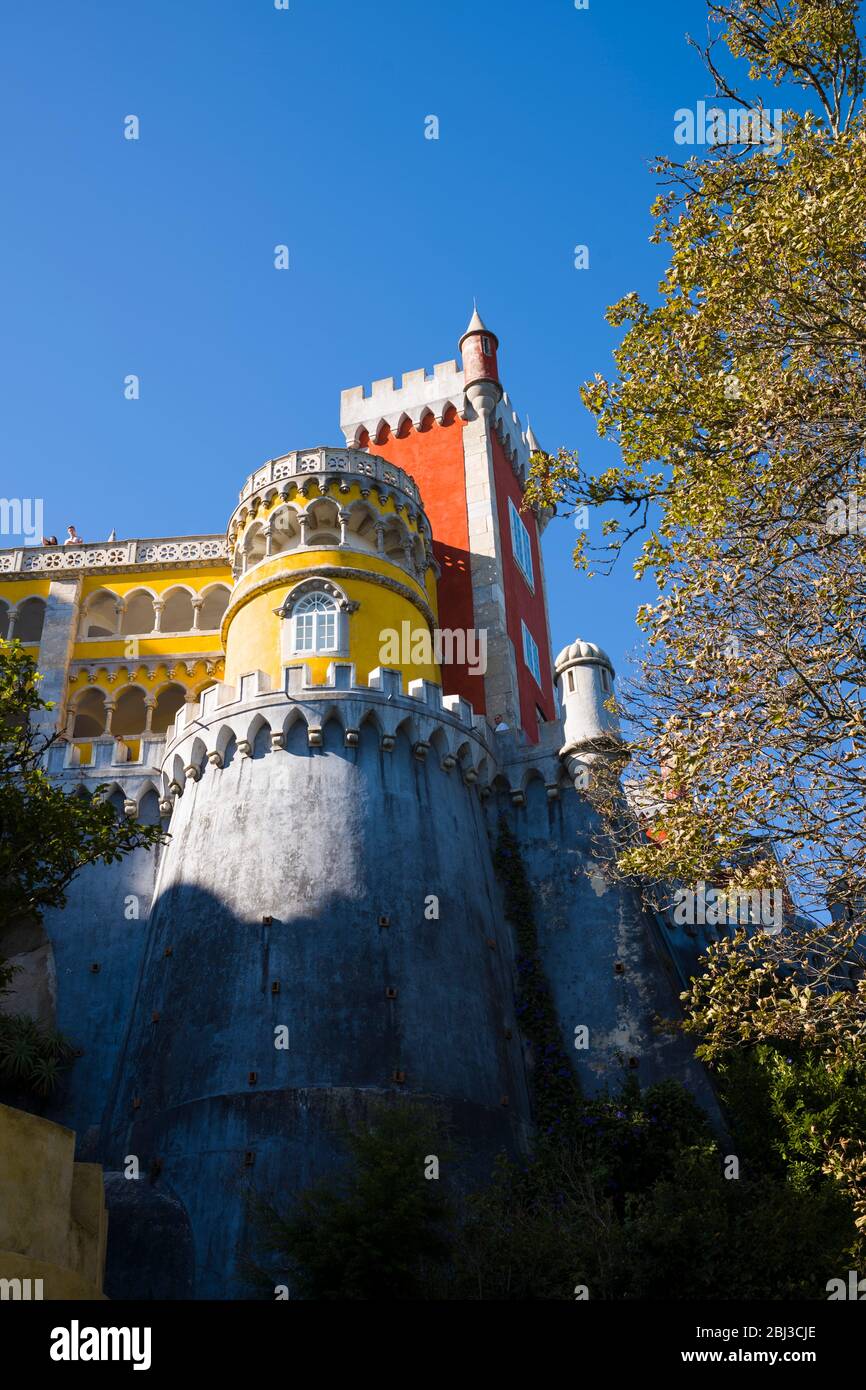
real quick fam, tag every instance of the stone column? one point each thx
(501, 693)
(55, 648)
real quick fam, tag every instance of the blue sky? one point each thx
(306, 127)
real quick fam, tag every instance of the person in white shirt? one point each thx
(73, 537)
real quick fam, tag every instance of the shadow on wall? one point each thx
(210, 1106)
(150, 1246)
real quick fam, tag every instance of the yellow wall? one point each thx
(156, 582)
(251, 628)
(115, 649)
(133, 674)
(53, 1223)
(16, 590)
(194, 577)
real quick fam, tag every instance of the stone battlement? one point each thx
(429, 720)
(418, 393)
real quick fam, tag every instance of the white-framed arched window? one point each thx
(315, 623)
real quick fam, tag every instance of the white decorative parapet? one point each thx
(331, 462)
(50, 559)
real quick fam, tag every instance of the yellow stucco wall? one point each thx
(251, 628)
(17, 590)
(133, 674)
(108, 649)
(195, 578)
(53, 1223)
(250, 637)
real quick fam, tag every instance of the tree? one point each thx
(377, 1230)
(739, 410)
(627, 1199)
(46, 836)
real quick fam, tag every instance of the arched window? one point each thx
(89, 714)
(177, 612)
(168, 702)
(254, 546)
(4, 619)
(216, 601)
(31, 616)
(100, 618)
(315, 624)
(130, 712)
(138, 614)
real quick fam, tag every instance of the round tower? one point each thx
(585, 680)
(326, 928)
(478, 348)
(348, 529)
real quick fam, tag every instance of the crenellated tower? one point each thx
(455, 431)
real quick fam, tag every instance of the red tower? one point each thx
(455, 431)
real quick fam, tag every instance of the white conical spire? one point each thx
(532, 443)
(476, 324)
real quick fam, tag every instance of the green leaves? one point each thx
(46, 834)
(31, 1057)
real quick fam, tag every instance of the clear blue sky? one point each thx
(306, 127)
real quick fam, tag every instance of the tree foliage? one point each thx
(46, 833)
(375, 1230)
(739, 412)
(46, 836)
(627, 1200)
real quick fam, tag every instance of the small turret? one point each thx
(532, 443)
(480, 370)
(585, 677)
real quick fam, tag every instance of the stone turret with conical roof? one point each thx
(478, 348)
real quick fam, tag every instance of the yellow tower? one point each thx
(333, 563)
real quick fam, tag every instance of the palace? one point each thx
(318, 798)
